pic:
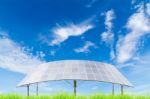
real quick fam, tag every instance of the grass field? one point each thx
(67, 96)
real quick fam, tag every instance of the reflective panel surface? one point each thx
(75, 70)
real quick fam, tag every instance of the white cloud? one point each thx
(141, 89)
(138, 25)
(108, 19)
(3, 34)
(148, 8)
(62, 33)
(138, 73)
(89, 5)
(85, 48)
(108, 35)
(16, 58)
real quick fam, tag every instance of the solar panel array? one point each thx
(75, 70)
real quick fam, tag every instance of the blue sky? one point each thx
(37, 31)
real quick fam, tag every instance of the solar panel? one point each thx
(75, 70)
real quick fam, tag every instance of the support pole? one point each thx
(113, 89)
(74, 86)
(28, 89)
(122, 90)
(37, 89)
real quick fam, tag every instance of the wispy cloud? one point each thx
(141, 89)
(128, 58)
(90, 4)
(3, 34)
(61, 33)
(148, 8)
(110, 15)
(140, 68)
(85, 48)
(108, 35)
(16, 58)
(138, 25)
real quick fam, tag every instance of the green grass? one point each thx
(68, 96)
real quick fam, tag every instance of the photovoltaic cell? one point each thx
(75, 70)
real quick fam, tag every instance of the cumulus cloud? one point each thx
(85, 48)
(138, 26)
(16, 58)
(108, 35)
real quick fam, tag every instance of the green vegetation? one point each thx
(67, 96)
